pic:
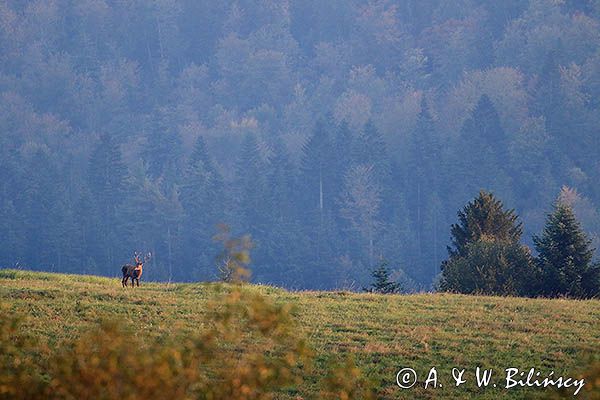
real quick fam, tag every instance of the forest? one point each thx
(335, 133)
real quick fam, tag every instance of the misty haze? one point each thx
(337, 134)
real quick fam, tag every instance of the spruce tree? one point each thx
(41, 210)
(425, 151)
(317, 171)
(484, 216)
(482, 153)
(423, 182)
(317, 199)
(486, 256)
(382, 282)
(202, 189)
(342, 155)
(202, 199)
(107, 182)
(565, 257)
(491, 267)
(281, 184)
(14, 239)
(163, 152)
(370, 149)
(281, 247)
(251, 188)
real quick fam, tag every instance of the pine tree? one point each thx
(382, 282)
(565, 257)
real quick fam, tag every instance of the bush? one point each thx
(251, 350)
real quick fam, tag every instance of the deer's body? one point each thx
(133, 271)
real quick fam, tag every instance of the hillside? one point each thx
(386, 333)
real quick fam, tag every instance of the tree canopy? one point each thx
(334, 132)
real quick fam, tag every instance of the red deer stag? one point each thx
(134, 271)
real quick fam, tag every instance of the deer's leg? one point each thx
(124, 281)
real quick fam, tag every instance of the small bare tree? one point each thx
(360, 202)
(233, 261)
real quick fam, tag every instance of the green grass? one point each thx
(385, 333)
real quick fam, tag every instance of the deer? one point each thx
(134, 271)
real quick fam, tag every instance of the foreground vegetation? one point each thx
(383, 332)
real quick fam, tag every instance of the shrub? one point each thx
(250, 351)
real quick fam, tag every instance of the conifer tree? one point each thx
(202, 189)
(360, 203)
(14, 239)
(482, 151)
(41, 210)
(163, 152)
(107, 179)
(317, 172)
(250, 187)
(281, 183)
(316, 191)
(370, 149)
(486, 256)
(382, 282)
(203, 203)
(280, 251)
(491, 267)
(423, 180)
(484, 216)
(342, 157)
(424, 150)
(565, 257)
(548, 99)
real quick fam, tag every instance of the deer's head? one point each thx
(139, 262)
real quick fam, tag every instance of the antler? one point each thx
(136, 257)
(147, 257)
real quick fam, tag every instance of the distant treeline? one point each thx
(336, 133)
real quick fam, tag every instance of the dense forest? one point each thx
(336, 133)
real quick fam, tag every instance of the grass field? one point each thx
(385, 333)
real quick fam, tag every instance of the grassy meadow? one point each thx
(384, 333)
